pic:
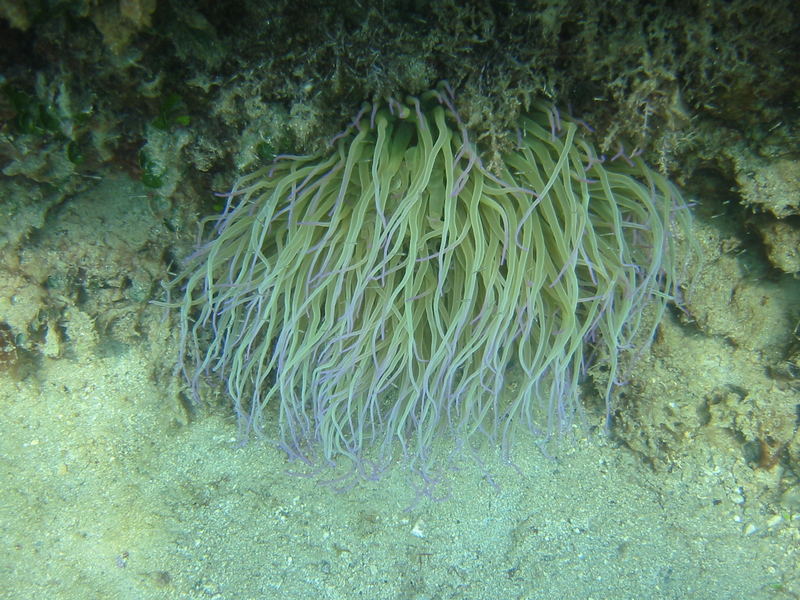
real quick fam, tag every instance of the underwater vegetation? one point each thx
(394, 291)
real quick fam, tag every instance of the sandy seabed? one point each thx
(107, 493)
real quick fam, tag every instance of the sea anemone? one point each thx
(393, 291)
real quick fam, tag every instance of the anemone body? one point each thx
(394, 291)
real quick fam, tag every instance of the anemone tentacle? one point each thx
(379, 295)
